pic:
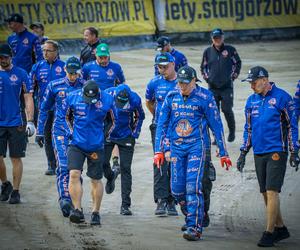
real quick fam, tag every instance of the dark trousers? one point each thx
(161, 185)
(126, 150)
(224, 99)
(48, 140)
(206, 186)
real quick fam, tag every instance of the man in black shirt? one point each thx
(87, 54)
(220, 66)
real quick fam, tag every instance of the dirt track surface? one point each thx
(237, 211)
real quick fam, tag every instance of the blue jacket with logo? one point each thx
(26, 49)
(12, 82)
(297, 101)
(270, 123)
(55, 95)
(180, 60)
(43, 73)
(129, 118)
(88, 119)
(106, 77)
(185, 120)
(157, 90)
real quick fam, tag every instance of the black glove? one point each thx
(294, 161)
(241, 161)
(39, 139)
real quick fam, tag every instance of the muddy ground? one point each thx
(237, 210)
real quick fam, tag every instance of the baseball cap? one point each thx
(122, 98)
(164, 59)
(36, 25)
(102, 50)
(217, 33)
(5, 50)
(256, 73)
(15, 17)
(73, 65)
(162, 42)
(186, 74)
(90, 92)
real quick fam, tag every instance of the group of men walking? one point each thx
(85, 110)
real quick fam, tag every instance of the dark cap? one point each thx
(15, 17)
(122, 98)
(73, 65)
(5, 50)
(162, 42)
(36, 25)
(256, 73)
(164, 59)
(90, 92)
(216, 33)
(186, 74)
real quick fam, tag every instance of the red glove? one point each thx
(225, 160)
(158, 159)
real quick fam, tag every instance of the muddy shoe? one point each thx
(95, 219)
(66, 207)
(192, 234)
(6, 189)
(110, 184)
(231, 136)
(161, 209)
(171, 208)
(14, 197)
(281, 233)
(183, 227)
(125, 210)
(267, 240)
(116, 165)
(76, 216)
(206, 220)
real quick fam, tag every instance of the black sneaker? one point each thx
(6, 189)
(95, 219)
(281, 233)
(206, 220)
(125, 210)
(267, 240)
(66, 207)
(50, 171)
(116, 165)
(183, 227)
(231, 136)
(76, 216)
(14, 197)
(192, 234)
(110, 184)
(161, 209)
(171, 208)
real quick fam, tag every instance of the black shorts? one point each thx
(270, 170)
(16, 140)
(76, 159)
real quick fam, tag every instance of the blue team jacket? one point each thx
(270, 123)
(185, 120)
(24, 45)
(297, 101)
(55, 95)
(43, 73)
(107, 77)
(88, 119)
(130, 117)
(12, 82)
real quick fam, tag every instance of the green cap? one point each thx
(102, 50)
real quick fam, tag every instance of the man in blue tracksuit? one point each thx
(297, 101)
(25, 45)
(87, 109)
(271, 126)
(156, 91)
(183, 112)
(14, 83)
(127, 129)
(42, 73)
(54, 97)
(163, 46)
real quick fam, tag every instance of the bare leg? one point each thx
(75, 188)
(272, 209)
(17, 172)
(3, 176)
(97, 194)
(279, 220)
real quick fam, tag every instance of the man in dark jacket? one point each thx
(88, 53)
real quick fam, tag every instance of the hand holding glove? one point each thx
(40, 140)
(240, 164)
(225, 161)
(30, 128)
(158, 159)
(294, 161)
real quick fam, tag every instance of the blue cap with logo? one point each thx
(73, 65)
(186, 74)
(164, 59)
(90, 92)
(216, 33)
(256, 73)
